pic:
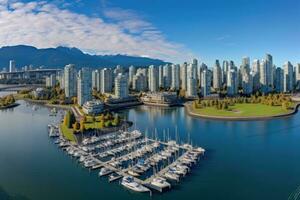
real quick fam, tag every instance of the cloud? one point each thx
(223, 37)
(43, 24)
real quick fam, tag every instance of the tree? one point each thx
(76, 126)
(82, 126)
(117, 120)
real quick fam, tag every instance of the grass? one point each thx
(67, 133)
(243, 110)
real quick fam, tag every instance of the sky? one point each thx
(172, 30)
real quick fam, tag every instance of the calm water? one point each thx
(244, 160)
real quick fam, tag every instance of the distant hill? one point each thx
(60, 56)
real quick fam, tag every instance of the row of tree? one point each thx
(224, 104)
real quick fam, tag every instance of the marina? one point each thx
(143, 164)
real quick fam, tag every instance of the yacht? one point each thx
(114, 177)
(133, 173)
(128, 182)
(104, 171)
(160, 182)
(171, 176)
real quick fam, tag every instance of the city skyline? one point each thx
(220, 31)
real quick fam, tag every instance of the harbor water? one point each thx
(243, 160)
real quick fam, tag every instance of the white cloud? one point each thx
(43, 24)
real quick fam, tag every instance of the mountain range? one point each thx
(61, 56)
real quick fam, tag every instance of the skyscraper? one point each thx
(279, 79)
(121, 86)
(153, 78)
(132, 72)
(232, 82)
(84, 85)
(205, 83)
(96, 80)
(269, 71)
(70, 78)
(247, 83)
(12, 66)
(288, 75)
(217, 75)
(183, 76)
(167, 73)
(297, 75)
(175, 77)
(106, 80)
(139, 82)
(191, 87)
(161, 77)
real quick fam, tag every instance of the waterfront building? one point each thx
(279, 80)
(153, 79)
(288, 77)
(132, 72)
(84, 83)
(205, 83)
(202, 67)
(160, 98)
(183, 76)
(93, 107)
(217, 75)
(191, 87)
(12, 66)
(161, 76)
(297, 75)
(60, 78)
(121, 86)
(269, 70)
(247, 83)
(225, 68)
(70, 79)
(167, 74)
(106, 80)
(96, 80)
(139, 82)
(175, 77)
(232, 83)
(51, 80)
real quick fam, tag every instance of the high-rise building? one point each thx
(225, 69)
(51, 80)
(202, 67)
(217, 75)
(205, 83)
(132, 72)
(161, 77)
(70, 79)
(279, 79)
(183, 76)
(167, 73)
(247, 83)
(106, 80)
(288, 77)
(297, 75)
(232, 82)
(61, 79)
(139, 82)
(12, 66)
(96, 80)
(84, 85)
(153, 78)
(269, 71)
(191, 87)
(175, 77)
(121, 86)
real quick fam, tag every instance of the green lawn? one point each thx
(243, 110)
(67, 133)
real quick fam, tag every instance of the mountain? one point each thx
(61, 56)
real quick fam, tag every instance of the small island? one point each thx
(7, 102)
(244, 108)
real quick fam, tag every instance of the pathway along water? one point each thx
(244, 160)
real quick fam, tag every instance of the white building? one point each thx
(167, 73)
(297, 74)
(84, 83)
(93, 107)
(121, 86)
(161, 77)
(288, 77)
(247, 83)
(106, 80)
(70, 79)
(183, 76)
(96, 80)
(217, 75)
(132, 72)
(51, 80)
(175, 77)
(12, 66)
(139, 82)
(153, 79)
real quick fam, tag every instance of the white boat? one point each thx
(133, 173)
(104, 171)
(129, 183)
(160, 182)
(171, 176)
(114, 177)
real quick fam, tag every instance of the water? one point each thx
(244, 160)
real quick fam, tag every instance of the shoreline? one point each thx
(9, 106)
(189, 111)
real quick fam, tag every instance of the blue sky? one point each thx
(179, 30)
